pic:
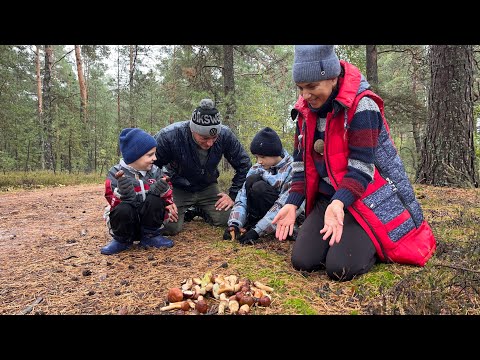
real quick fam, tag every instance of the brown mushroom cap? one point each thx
(247, 299)
(185, 306)
(264, 301)
(201, 306)
(175, 295)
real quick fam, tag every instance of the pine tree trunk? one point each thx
(133, 58)
(416, 122)
(40, 106)
(448, 155)
(229, 86)
(48, 109)
(119, 121)
(372, 69)
(83, 109)
(81, 83)
(229, 92)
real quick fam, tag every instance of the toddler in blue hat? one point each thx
(139, 197)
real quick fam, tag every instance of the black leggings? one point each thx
(260, 198)
(355, 254)
(126, 219)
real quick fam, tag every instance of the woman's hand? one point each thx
(285, 220)
(333, 224)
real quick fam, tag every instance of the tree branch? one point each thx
(457, 268)
(63, 56)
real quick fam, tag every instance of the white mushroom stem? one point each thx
(223, 304)
(233, 306)
(191, 303)
(172, 306)
(215, 289)
(198, 290)
(261, 286)
(244, 309)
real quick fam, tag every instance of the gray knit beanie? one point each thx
(314, 63)
(206, 119)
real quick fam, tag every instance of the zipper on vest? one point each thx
(327, 162)
(394, 190)
(304, 138)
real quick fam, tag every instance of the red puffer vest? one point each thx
(388, 210)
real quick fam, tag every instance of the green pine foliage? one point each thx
(168, 83)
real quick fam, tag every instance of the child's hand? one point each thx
(125, 189)
(159, 188)
(249, 238)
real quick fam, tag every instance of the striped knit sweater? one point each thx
(363, 138)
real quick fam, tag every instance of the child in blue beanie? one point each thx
(139, 197)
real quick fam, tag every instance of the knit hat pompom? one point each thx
(206, 104)
(134, 143)
(314, 63)
(267, 143)
(206, 120)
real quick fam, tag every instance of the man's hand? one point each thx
(159, 188)
(334, 216)
(249, 238)
(285, 220)
(172, 212)
(125, 189)
(227, 235)
(224, 203)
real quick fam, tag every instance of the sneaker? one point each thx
(114, 247)
(191, 213)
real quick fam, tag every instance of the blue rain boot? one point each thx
(154, 238)
(118, 244)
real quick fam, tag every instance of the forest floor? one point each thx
(50, 262)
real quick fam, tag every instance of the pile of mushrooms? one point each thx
(234, 296)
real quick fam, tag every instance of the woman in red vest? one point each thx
(359, 202)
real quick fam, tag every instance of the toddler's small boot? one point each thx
(154, 238)
(118, 244)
